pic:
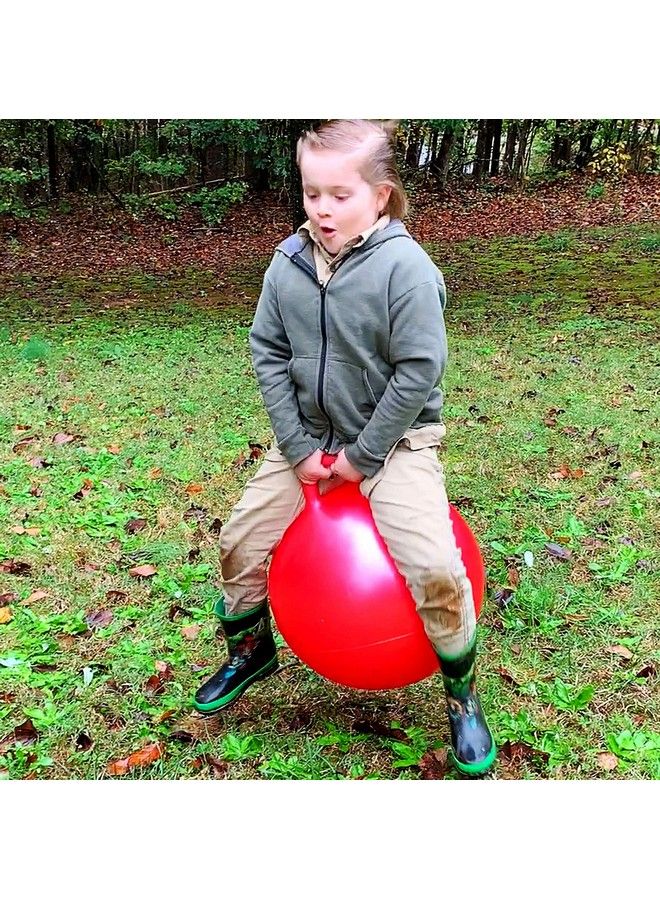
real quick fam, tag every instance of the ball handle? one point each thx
(311, 491)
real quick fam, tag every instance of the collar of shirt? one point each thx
(325, 262)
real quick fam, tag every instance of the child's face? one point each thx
(339, 202)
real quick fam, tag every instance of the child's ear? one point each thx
(383, 196)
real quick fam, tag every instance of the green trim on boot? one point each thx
(251, 655)
(473, 748)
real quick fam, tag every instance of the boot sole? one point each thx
(479, 768)
(232, 696)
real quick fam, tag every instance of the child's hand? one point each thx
(344, 469)
(311, 470)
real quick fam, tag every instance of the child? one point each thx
(348, 343)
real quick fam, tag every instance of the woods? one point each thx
(166, 165)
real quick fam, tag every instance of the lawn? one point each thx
(130, 421)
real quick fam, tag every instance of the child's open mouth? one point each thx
(328, 231)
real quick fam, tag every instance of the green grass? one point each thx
(553, 370)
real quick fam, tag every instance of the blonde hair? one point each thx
(376, 138)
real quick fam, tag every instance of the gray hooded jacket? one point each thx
(353, 364)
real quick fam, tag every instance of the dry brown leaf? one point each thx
(62, 438)
(34, 596)
(194, 489)
(620, 650)
(155, 473)
(190, 632)
(135, 525)
(100, 618)
(607, 761)
(5, 615)
(84, 490)
(114, 448)
(434, 765)
(15, 567)
(143, 757)
(143, 571)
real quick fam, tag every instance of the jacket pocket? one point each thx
(303, 374)
(348, 397)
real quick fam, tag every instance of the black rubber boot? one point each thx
(251, 655)
(473, 747)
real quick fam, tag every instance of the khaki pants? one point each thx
(411, 511)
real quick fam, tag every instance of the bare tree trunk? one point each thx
(523, 135)
(52, 162)
(440, 167)
(497, 140)
(560, 156)
(509, 150)
(584, 152)
(480, 150)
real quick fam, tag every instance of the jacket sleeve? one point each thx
(418, 353)
(271, 354)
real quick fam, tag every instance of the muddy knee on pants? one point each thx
(442, 602)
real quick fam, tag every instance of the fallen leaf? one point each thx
(374, 726)
(194, 489)
(190, 632)
(607, 761)
(143, 757)
(155, 473)
(9, 597)
(183, 737)
(99, 618)
(218, 766)
(558, 551)
(113, 448)
(434, 765)
(84, 490)
(620, 650)
(15, 567)
(154, 685)
(38, 462)
(135, 525)
(517, 751)
(508, 677)
(503, 596)
(514, 577)
(175, 609)
(62, 438)
(114, 596)
(84, 742)
(24, 734)
(143, 571)
(34, 596)
(6, 615)
(646, 671)
(21, 445)
(198, 513)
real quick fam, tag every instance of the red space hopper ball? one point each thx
(341, 604)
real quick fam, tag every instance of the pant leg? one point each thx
(270, 502)
(411, 510)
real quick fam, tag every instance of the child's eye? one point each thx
(341, 198)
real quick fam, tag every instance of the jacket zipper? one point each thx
(319, 386)
(324, 342)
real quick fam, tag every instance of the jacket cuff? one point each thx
(298, 446)
(361, 460)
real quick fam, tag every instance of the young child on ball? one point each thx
(348, 344)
